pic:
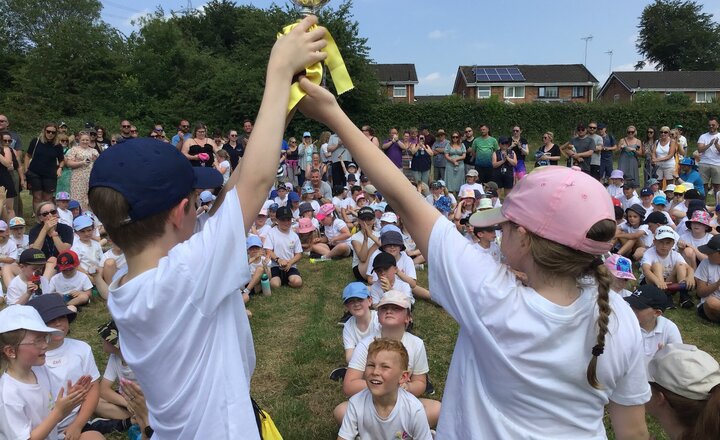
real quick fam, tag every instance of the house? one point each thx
(702, 87)
(398, 81)
(526, 83)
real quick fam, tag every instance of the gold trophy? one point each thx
(309, 7)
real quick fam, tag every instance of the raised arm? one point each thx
(320, 105)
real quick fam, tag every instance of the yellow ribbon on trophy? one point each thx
(334, 62)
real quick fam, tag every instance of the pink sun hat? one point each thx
(620, 267)
(325, 210)
(305, 225)
(557, 203)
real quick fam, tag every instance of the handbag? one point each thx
(266, 426)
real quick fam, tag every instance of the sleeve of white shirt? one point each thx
(111, 372)
(349, 427)
(89, 366)
(673, 334)
(359, 357)
(86, 283)
(348, 340)
(207, 253)
(420, 426)
(420, 363)
(702, 273)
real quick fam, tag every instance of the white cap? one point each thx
(485, 203)
(665, 232)
(395, 297)
(389, 217)
(670, 187)
(18, 317)
(685, 370)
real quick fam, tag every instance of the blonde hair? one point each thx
(550, 135)
(324, 138)
(9, 339)
(391, 345)
(557, 260)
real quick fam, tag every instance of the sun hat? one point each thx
(16, 222)
(109, 332)
(390, 227)
(366, 213)
(685, 370)
(307, 134)
(51, 306)
(352, 164)
(324, 211)
(659, 200)
(370, 189)
(389, 217)
(687, 185)
(630, 184)
(617, 174)
(485, 204)
(395, 297)
(648, 296)
(665, 232)
(153, 176)
(253, 241)
(700, 216)
(32, 256)
(652, 181)
(638, 209)
(658, 217)
(206, 197)
(74, 204)
(288, 186)
(293, 197)
(472, 172)
(305, 225)
(467, 193)
(620, 267)
(360, 195)
(555, 191)
(355, 290)
(67, 260)
(62, 195)
(383, 260)
(711, 246)
(379, 206)
(308, 189)
(670, 188)
(284, 213)
(392, 238)
(305, 207)
(689, 162)
(19, 317)
(3, 225)
(81, 222)
(680, 189)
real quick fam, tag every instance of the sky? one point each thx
(439, 36)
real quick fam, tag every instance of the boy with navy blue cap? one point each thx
(179, 310)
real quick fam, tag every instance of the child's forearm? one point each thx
(110, 395)
(88, 407)
(43, 430)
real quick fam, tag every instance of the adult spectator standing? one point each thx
(709, 151)
(519, 146)
(606, 153)
(647, 151)
(49, 235)
(595, 159)
(393, 148)
(468, 138)
(247, 131)
(44, 162)
(664, 157)
(630, 147)
(305, 151)
(339, 155)
(439, 147)
(429, 138)
(183, 133)
(579, 149)
(681, 140)
(234, 148)
(125, 128)
(483, 147)
(8, 163)
(5, 126)
(323, 191)
(16, 174)
(199, 150)
(370, 134)
(421, 160)
(133, 131)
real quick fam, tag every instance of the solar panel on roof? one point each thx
(492, 74)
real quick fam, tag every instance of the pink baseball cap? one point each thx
(557, 203)
(305, 225)
(325, 210)
(620, 267)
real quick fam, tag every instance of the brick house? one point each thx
(398, 81)
(526, 83)
(701, 86)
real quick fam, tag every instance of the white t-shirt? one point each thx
(120, 260)
(341, 203)
(281, 201)
(688, 238)
(25, 406)
(18, 287)
(204, 330)
(509, 334)
(59, 283)
(358, 236)
(417, 364)
(474, 187)
(335, 229)
(431, 200)
(258, 264)
(406, 421)
(228, 170)
(626, 203)
(352, 334)
(673, 258)
(615, 191)
(90, 254)
(377, 293)
(647, 239)
(9, 250)
(284, 244)
(624, 293)
(263, 232)
(66, 363)
(709, 273)
(21, 244)
(711, 155)
(116, 370)
(665, 332)
(493, 251)
(405, 264)
(66, 216)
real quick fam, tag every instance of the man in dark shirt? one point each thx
(49, 235)
(234, 148)
(583, 147)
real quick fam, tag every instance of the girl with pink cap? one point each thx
(541, 360)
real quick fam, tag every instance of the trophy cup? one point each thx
(308, 7)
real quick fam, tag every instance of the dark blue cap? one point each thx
(504, 140)
(646, 192)
(152, 175)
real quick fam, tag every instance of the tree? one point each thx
(676, 35)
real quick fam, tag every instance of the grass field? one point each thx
(298, 342)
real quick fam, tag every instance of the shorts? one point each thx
(36, 182)
(485, 175)
(519, 174)
(668, 174)
(358, 275)
(710, 174)
(284, 276)
(701, 313)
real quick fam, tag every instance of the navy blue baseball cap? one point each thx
(152, 175)
(646, 192)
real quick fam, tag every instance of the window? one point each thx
(704, 97)
(578, 92)
(547, 92)
(616, 98)
(515, 92)
(399, 91)
(483, 92)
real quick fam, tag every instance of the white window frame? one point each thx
(484, 89)
(580, 89)
(514, 90)
(400, 91)
(542, 92)
(702, 97)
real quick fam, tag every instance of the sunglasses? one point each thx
(455, 137)
(64, 141)
(233, 135)
(468, 131)
(125, 126)
(50, 131)
(516, 130)
(592, 128)
(47, 213)
(631, 132)
(664, 132)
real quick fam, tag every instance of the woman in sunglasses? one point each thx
(49, 235)
(8, 162)
(44, 162)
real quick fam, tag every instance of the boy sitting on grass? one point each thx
(388, 278)
(665, 268)
(708, 281)
(74, 286)
(385, 409)
(34, 277)
(283, 248)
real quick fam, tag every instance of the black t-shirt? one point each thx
(234, 153)
(469, 152)
(45, 158)
(420, 160)
(554, 151)
(519, 153)
(64, 231)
